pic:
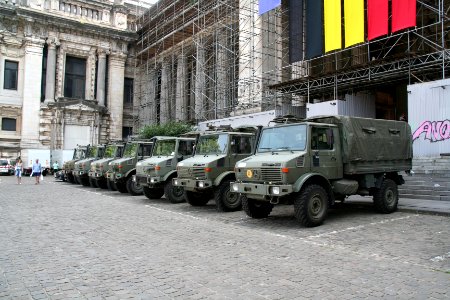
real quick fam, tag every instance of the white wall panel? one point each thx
(76, 135)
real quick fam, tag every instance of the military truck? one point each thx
(97, 174)
(313, 163)
(68, 167)
(82, 167)
(155, 174)
(209, 172)
(120, 171)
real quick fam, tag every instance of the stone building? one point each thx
(67, 73)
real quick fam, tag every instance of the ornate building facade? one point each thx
(67, 73)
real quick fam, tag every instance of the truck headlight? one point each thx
(201, 184)
(234, 187)
(152, 180)
(175, 182)
(275, 190)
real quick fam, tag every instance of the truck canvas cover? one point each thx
(372, 144)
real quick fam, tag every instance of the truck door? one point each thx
(241, 147)
(325, 153)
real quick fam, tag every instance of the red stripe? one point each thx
(377, 18)
(403, 14)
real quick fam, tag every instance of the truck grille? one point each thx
(271, 174)
(183, 173)
(199, 173)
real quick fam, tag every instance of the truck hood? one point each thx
(103, 161)
(200, 160)
(87, 160)
(154, 160)
(121, 160)
(278, 158)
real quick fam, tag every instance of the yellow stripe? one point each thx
(332, 16)
(353, 22)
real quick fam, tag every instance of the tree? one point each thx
(168, 129)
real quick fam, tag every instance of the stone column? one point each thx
(181, 90)
(221, 75)
(116, 83)
(101, 76)
(32, 76)
(51, 72)
(164, 105)
(200, 82)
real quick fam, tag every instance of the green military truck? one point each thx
(120, 171)
(97, 174)
(78, 154)
(155, 174)
(82, 167)
(209, 172)
(313, 163)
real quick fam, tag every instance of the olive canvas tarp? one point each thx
(372, 144)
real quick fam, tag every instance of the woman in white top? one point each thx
(19, 170)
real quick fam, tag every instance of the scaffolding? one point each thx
(198, 60)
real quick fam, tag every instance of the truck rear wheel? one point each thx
(196, 199)
(311, 206)
(153, 193)
(174, 193)
(225, 199)
(133, 187)
(385, 198)
(256, 209)
(70, 178)
(111, 185)
(85, 181)
(93, 182)
(121, 187)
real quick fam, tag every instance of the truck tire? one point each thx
(111, 185)
(225, 199)
(385, 198)
(133, 188)
(196, 199)
(101, 183)
(121, 187)
(311, 205)
(174, 193)
(153, 193)
(93, 182)
(256, 209)
(76, 180)
(85, 182)
(70, 178)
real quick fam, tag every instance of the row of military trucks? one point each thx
(309, 163)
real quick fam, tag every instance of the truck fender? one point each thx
(168, 175)
(222, 176)
(318, 179)
(131, 172)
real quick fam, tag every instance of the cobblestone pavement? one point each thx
(61, 241)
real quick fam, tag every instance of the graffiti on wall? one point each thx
(434, 131)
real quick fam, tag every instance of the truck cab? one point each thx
(313, 163)
(97, 173)
(155, 174)
(82, 167)
(120, 171)
(209, 172)
(79, 153)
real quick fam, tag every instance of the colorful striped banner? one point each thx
(333, 30)
(403, 14)
(353, 22)
(377, 18)
(314, 28)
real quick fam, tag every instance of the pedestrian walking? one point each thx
(19, 170)
(55, 167)
(36, 171)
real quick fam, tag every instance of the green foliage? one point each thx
(167, 129)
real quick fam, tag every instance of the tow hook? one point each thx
(274, 200)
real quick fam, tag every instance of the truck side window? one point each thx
(322, 138)
(241, 145)
(186, 148)
(145, 150)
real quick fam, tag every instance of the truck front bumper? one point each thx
(261, 191)
(192, 185)
(140, 179)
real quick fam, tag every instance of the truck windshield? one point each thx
(130, 150)
(110, 151)
(78, 154)
(212, 144)
(164, 148)
(93, 152)
(286, 138)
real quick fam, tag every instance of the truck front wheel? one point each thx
(225, 199)
(133, 187)
(175, 194)
(385, 198)
(153, 193)
(196, 199)
(122, 187)
(111, 185)
(311, 206)
(256, 209)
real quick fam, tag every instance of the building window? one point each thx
(126, 132)
(75, 77)
(128, 92)
(11, 72)
(8, 124)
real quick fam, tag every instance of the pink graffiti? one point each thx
(435, 131)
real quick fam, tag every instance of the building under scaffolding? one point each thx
(198, 60)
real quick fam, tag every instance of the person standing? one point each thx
(36, 171)
(19, 170)
(55, 167)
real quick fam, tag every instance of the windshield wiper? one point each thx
(265, 148)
